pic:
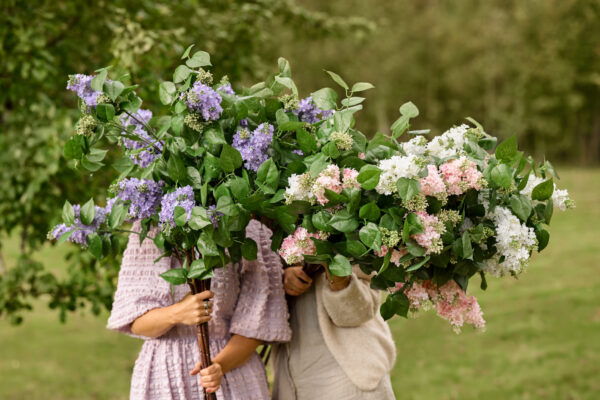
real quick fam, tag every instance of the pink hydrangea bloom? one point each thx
(449, 301)
(431, 237)
(349, 178)
(383, 252)
(432, 184)
(329, 178)
(295, 246)
(397, 255)
(461, 175)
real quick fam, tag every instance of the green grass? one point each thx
(542, 339)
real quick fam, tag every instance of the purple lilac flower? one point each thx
(182, 197)
(143, 196)
(226, 89)
(82, 85)
(299, 152)
(253, 147)
(81, 231)
(204, 100)
(244, 122)
(309, 112)
(150, 153)
(214, 215)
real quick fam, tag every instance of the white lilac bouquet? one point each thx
(423, 216)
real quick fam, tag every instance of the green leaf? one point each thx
(199, 219)
(414, 248)
(306, 141)
(361, 86)
(194, 177)
(226, 206)
(206, 245)
(343, 222)
(198, 270)
(175, 276)
(98, 81)
(543, 237)
(199, 59)
(395, 304)
(408, 188)
(501, 175)
(267, 176)
(409, 110)
(117, 215)
(105, 112)
(370, 211)
(321, 221)
(181, 73)
(418, 265)
(355, 248)
(507, 150)
(113, 89)
(123, 164)
(288, 83)
(94, 242)
(239, 187)
(87, 212)
(467, 249)
(186, 53)
(338, 79)
(68, 214)
(548, 211)
(249, 249)
(371, 236)
(368, 177)
(520, 206)
(176, 168)
(230, 158)
(166, 92)
(352, 101)
(543, 191)
(92, 166)
(72, 149)
(180, 216)
(340, 266)
(65, 236)
(325, 99)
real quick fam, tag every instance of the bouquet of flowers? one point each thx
(423, 216)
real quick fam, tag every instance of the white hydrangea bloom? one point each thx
(416, 146)
(450, 144)
(514, 241)
(560, 198)
(299, 188)
(395, 168)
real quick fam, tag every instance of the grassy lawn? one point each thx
(542, 339)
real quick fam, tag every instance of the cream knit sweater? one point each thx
(354, 331)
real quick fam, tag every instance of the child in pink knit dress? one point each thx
(248, 308)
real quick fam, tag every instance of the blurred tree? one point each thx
(41, 43)
(526, 67)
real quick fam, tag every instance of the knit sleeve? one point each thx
(354, 305)
(261, 310)
(139, 288)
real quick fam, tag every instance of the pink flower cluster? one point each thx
(349, 179)
(461, 175)
(295, 246)
(433, 230)
(449, 301)
(397, 255)
(432, 184)
(328, 179)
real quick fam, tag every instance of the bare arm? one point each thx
(189, 311)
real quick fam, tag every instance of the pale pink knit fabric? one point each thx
(249, 301)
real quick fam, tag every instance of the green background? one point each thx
(529, 67)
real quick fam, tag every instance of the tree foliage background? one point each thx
(531, 68)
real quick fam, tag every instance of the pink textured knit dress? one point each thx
(249, 301)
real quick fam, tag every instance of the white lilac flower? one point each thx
(342, 140)
(514, 242)
(560, 198)
(450, 144)
(395, 168)
(416, 146)
(300, 188)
